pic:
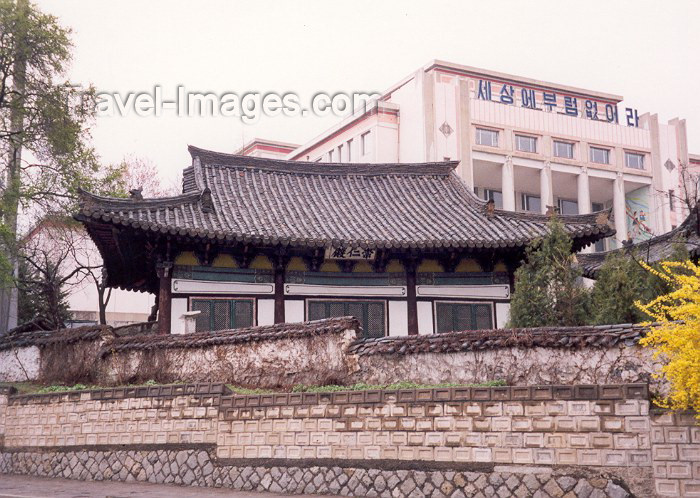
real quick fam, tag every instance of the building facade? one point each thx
(526, 144)
(405, 248)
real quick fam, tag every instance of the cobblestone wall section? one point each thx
(192, 467)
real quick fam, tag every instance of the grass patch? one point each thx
(34, 388)
(397, 385)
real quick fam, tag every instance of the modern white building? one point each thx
(525, 143)
(67, 244)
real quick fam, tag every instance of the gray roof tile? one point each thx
(264, 201)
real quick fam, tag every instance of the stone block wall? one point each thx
(513, 441)
(675, 447)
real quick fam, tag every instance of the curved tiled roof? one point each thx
(234, 198)
(236, 336)
(605, 336)
(655, 249)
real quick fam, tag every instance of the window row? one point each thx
(560, 148)
(233, 313)
(529, 202)
(346, 152)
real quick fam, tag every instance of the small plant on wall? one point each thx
(676, 339)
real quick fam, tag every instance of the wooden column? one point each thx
(164, 272)
(410, 265)
(280, 265)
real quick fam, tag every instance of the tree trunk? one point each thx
(10, 201)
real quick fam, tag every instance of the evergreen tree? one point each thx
(622, 280)
(548, 288)
(42, 296)
(620, 283)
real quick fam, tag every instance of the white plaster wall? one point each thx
(354, 132)
(266, 311)
(425, 317)
(411, 131)
(398, 318)
(502, 314)
(178, 306)
(293, 310)
(446, 112)
(19, 364)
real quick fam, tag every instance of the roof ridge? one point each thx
(213, 158)
(87, 198)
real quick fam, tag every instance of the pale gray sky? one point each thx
(646, 51)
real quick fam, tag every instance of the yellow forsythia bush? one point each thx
(677, 338)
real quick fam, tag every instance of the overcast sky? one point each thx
(646, 51)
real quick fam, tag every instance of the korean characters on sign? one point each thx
(568, 105)
(350, 253)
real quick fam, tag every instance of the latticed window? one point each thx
(371, 314)
(451, 317)
(222, 314)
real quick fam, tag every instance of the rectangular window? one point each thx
(634, 160)
(365, 143)
(455, 317)
(349, 150)
(330, 156)
(525, 144)
(494, 195)
(672, 200)
(563, 149)
(567, 207)
(487, 137)
(531, 203)
(600, 156)
(223, 314)
(600, 245)
(371, 314)
(340, 153)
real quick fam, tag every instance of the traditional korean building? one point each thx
(406, 248)
(656, 249)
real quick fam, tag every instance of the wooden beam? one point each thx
(411, 265)
(164, 273)
(280, 267)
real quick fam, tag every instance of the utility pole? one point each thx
(13, 183)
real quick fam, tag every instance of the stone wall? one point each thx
(276, 356)
(582, 355)
(327, 352)
(513, 441)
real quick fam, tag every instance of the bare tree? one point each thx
(138, 173)
(58, 258)
(689, 193)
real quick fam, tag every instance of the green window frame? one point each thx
(223, 313)
(458, 316)
(371, 314)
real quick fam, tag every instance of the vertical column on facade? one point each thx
(164, 273)
(619, 209)
(466, 167)
(411, 264)
(546, 191)
(584, 197)
(584, 192)
(280, 267)
(508, 184)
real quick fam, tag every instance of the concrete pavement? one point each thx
(16, 486)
